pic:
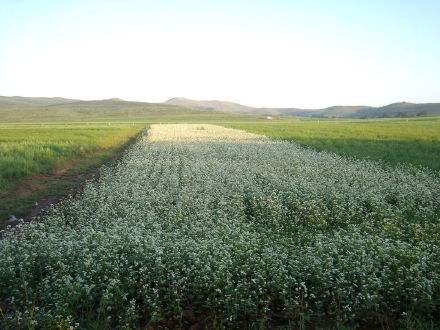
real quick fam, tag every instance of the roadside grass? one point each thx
(45, 161)
(393, 141)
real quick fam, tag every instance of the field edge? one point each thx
(32, 196)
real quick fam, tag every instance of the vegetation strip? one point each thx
(200, 224)
(412, 142)
(42, 163)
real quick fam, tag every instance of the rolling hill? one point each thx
(19, 101)
(402, 109)
(223, 106)
(41, 110)
(44, 109)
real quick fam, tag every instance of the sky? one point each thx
(273, 53)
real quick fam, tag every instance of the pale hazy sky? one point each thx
(260, 53)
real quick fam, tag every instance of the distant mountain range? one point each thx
(402, 109)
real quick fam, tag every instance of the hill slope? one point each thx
(41, 109)
(23, 109)
(402, 109)
(211, 105)
(17, 101)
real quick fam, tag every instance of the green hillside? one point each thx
(17, 101)
(402, 109)
(41, 110)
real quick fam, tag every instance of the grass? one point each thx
(37, 160)
(393, 141)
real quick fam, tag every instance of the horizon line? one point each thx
(217, 100)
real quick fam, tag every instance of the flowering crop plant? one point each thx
(201, 224)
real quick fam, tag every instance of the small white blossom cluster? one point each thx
(229, 226)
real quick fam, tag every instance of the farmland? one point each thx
(211, 226)
(40, 150)
(48, 146)
(393, 141)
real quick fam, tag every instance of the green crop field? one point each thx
(394, 141)
(39, 150)
(32, 149)
(217, 227)
(209, 227)
(38, 139)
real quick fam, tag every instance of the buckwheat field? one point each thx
(201, 224)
